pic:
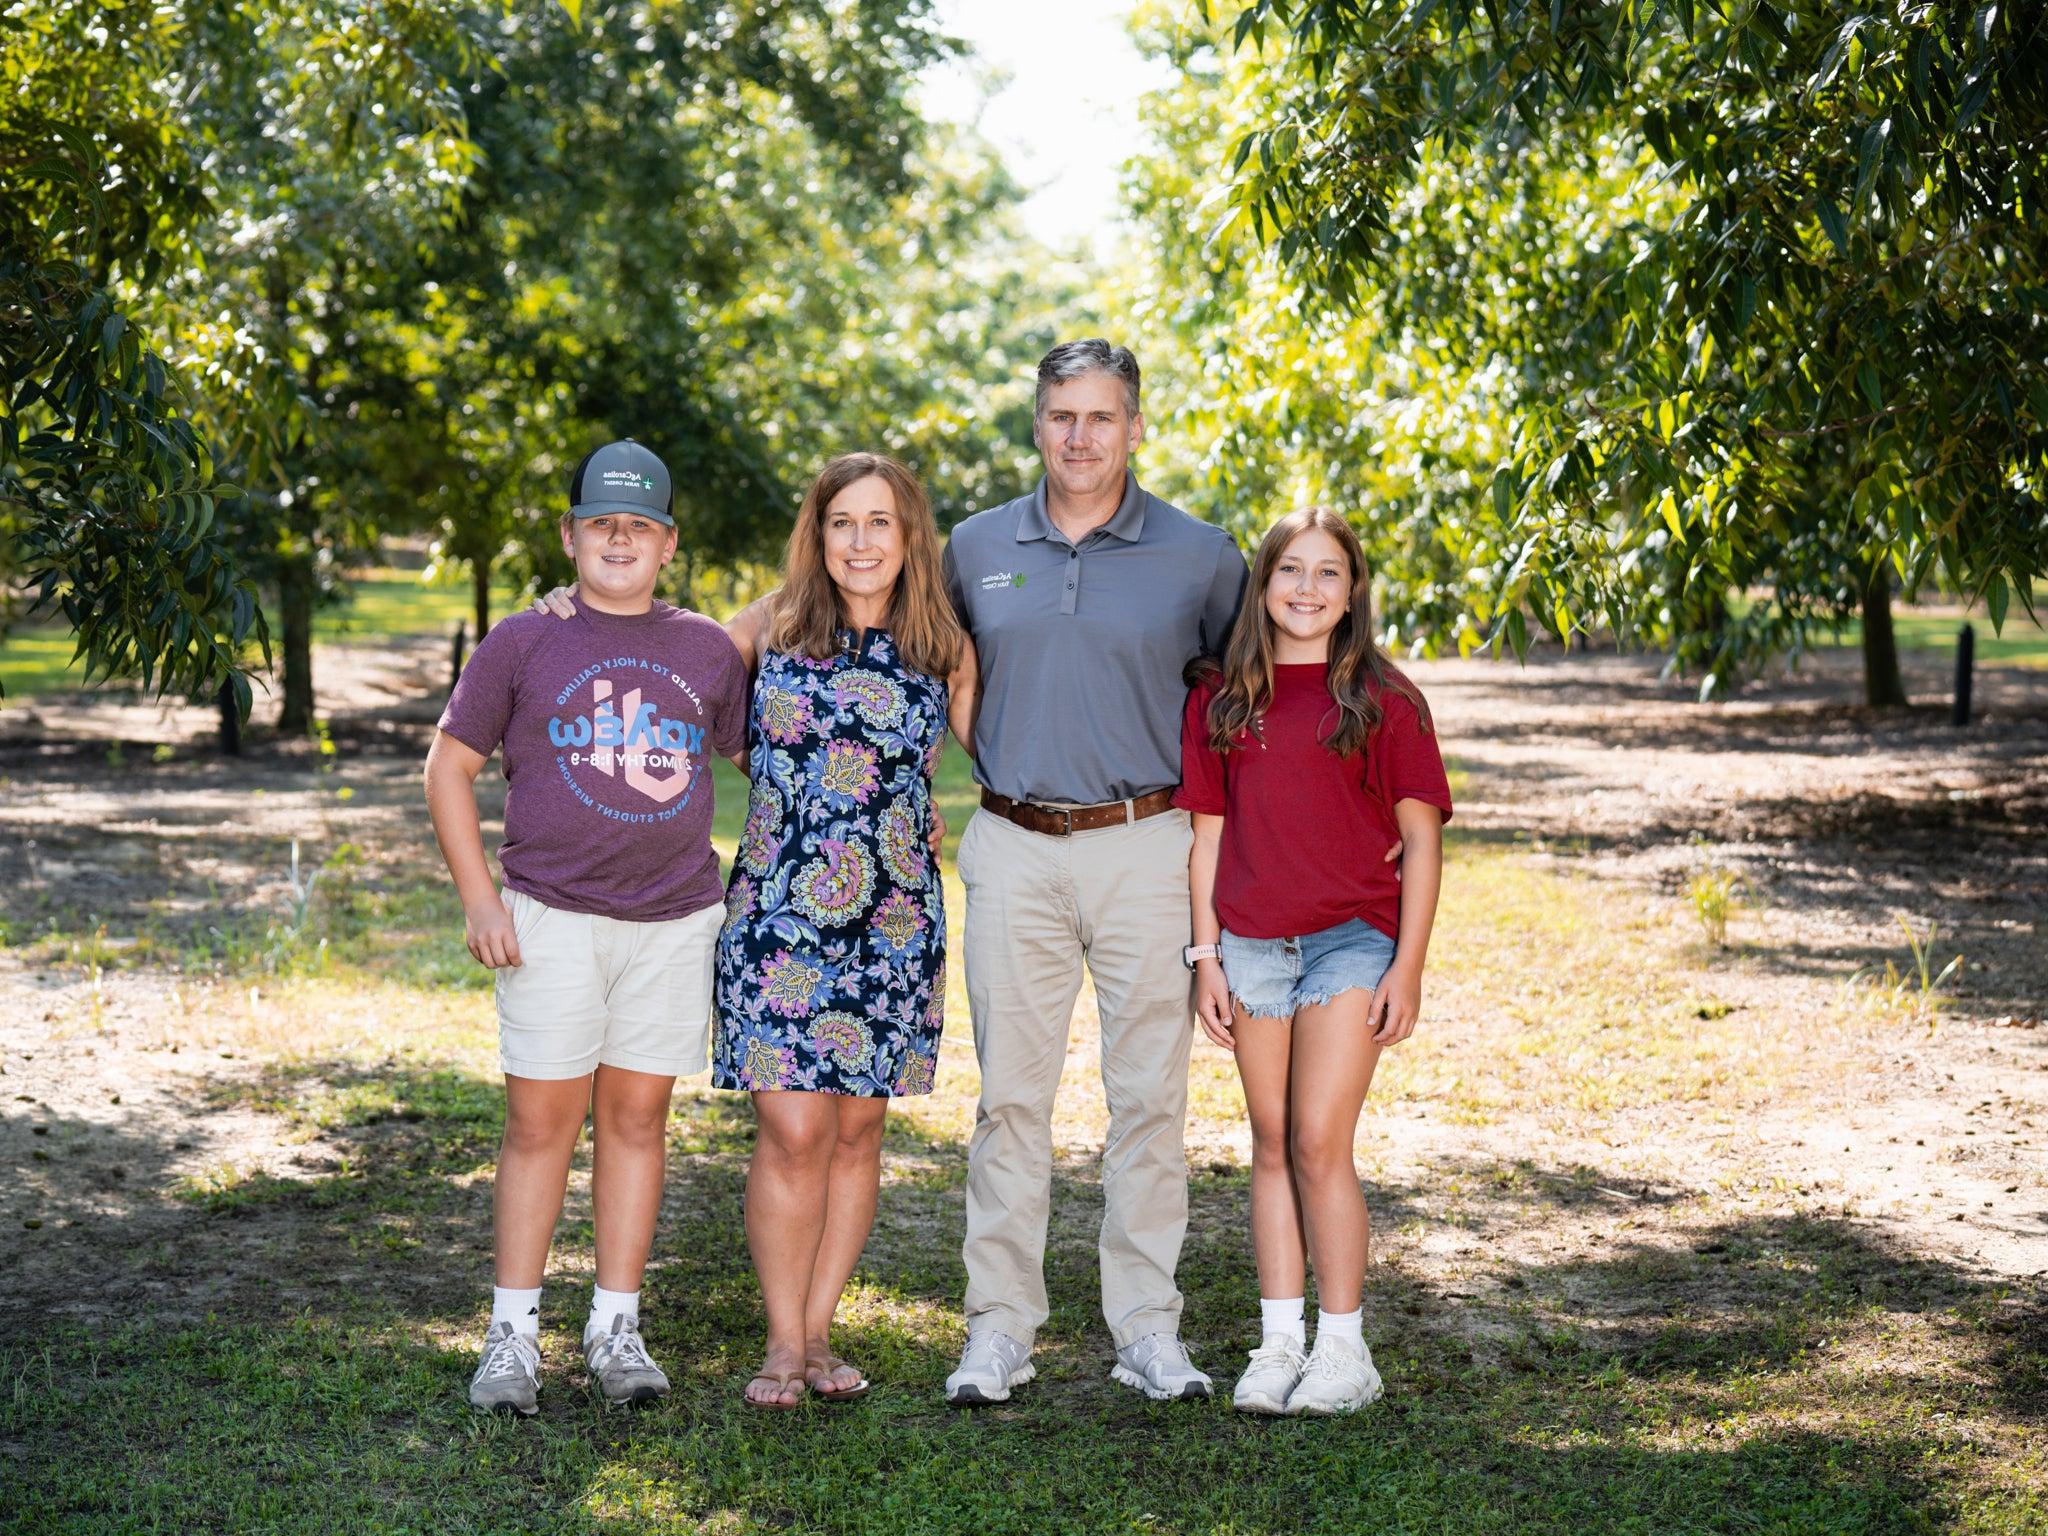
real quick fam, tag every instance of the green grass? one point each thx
(1691, 1360)
(2024, 643)
(384, 604)
(1796, 1409)
(1687, 1363)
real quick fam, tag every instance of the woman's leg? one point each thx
(787, 1183)
(630, 1157)
(855, 1183)
(543, 1118)
(1264, 1046)
(1334, 1057)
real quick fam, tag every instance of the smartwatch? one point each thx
(1194, 952)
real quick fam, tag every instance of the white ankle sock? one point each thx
(1283, 1317)
(606, 1305)
(1348, 1326)
(519, 1308)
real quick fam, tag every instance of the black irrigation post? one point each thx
(1966, 659)
(455, 661)
(230, 720)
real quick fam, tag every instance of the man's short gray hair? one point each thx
(1076, 359)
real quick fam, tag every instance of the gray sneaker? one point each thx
(990, 1365)
(620, 1365)
(1159, 1367)
(509, 1375)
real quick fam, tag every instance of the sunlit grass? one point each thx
(382, 604)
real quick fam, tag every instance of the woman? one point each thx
(831, 964)
(831, 967)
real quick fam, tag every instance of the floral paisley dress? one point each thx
(831, 965)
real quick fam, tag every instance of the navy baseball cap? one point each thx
(622, 477)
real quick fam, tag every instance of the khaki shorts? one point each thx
(594, 991)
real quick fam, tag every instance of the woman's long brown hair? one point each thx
(808, 613)
(1359, 669)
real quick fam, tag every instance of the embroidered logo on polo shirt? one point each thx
(999, 579)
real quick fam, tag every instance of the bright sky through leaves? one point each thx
(1056, 84)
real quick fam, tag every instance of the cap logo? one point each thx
(630, 477)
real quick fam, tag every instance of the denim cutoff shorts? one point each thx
(1273, 977)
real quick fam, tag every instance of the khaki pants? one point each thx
(1037, 906)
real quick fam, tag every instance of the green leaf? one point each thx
(1667, 506)
(1995, 598)
(1831, 220)
(575, 11)
(1866, 378)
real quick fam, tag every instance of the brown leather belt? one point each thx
(1083, 818)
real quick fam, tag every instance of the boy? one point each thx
(604, 939)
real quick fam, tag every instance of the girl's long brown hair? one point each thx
(807, 614)
(1359, 669)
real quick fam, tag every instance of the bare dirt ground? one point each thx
(122, 1082)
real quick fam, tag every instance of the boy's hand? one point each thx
(1396, 1002)
(487, 928)
(1393, 853)
(1212, 1003)
(556, 600)
(938, 830)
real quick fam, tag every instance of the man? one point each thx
(1086, 600)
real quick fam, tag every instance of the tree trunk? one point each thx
(295, 583)
(1882, 686)
(480, 592)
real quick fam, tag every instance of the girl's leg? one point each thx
(543, 1118)
(1334, 1059)
(787, 1184)
(854, 1184)
(1264, 1047)
(629, 1159)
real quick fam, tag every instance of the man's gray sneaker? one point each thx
(1159, 1367)
(621, 1367)
(990, 1365)
(509, 1375)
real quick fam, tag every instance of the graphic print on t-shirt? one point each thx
(622, 745)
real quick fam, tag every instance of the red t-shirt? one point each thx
(1305, 832)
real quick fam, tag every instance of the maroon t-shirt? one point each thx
(1305, 832)
(609, 725)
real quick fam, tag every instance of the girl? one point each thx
(1310, 768)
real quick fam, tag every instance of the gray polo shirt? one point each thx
(1082, 646)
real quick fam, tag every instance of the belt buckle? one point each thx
(1068, 817)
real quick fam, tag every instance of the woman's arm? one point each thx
(747, 627)
(1397, 1001)
(452, 768)
(963, 695)
(1212, 990)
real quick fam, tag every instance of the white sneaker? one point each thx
(1159, 1367)
(619, 1364)
(1337, 1379)
(990, 1365)
(509, 1374)
(1271, 1377)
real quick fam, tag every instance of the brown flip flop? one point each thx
(782, 1380)
(832, 1364)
